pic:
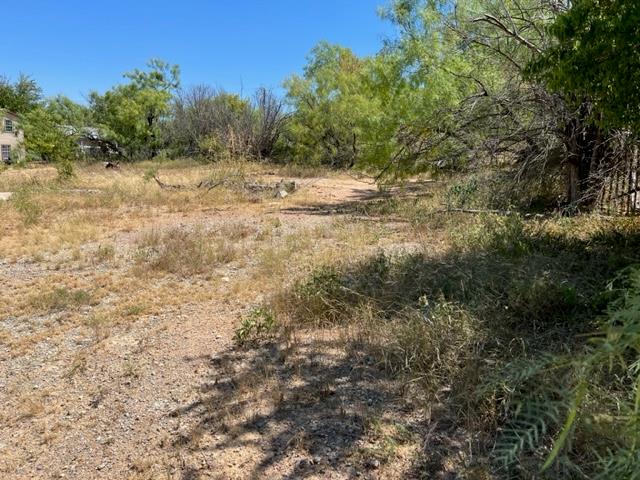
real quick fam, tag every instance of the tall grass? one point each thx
(516, 327)
(183, 252)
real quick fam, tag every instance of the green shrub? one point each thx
(259, 323)
(584, 407)
(460, 195)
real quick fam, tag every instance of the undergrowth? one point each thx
(524, 329)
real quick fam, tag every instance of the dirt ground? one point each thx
(110, 368)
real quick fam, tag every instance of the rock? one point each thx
(281, 194)
(372, 464)
(5, 196)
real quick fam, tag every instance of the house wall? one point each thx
(15, 138)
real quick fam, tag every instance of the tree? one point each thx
(270, 121)
(67, 112)
(345, 108)
(19, 97)
(47, 139)
(597, 57)
(472, 60)
(212, 122)
(130, 114)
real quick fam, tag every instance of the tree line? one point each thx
(544, 92)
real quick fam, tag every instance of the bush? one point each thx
(259, 323)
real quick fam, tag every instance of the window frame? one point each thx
(7, 149)
(8, 126)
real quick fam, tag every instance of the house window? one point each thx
(5, 153)
(8, 125)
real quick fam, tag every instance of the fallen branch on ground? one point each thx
(474, 210)
(485, 210)
(281, 188)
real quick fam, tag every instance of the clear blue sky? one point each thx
(72, 46)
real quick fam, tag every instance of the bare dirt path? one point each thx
(168, 394)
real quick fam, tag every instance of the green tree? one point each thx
(67, 112)
(45, 138)
(130, 114)
(21, 96)
(597, 56)
(346, 108)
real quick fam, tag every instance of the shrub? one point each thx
(259, 323)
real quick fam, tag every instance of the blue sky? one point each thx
(73, 47)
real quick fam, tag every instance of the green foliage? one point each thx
(67, 113)
(47, 139)
(591, 396)
(459, 195)
(346, 109)
(21, 96)
(321, 298)
(259, 323)
(130, 114)
(597, 56)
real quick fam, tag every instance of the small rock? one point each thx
(281, 194)
(4, 196)
(372, 464)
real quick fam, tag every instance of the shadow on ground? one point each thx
(315, 407)
(367, 202)
(322, 404)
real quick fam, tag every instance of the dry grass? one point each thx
(120, 293)
(59, 299)
(183, 252)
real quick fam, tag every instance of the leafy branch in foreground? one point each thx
(594, 397)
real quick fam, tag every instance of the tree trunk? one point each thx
(585, 157)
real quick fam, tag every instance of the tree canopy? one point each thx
(597, 56)
(130, 114)
(20, 96)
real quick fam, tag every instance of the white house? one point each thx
(11, 137)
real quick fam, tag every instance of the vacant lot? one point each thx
(178, 320)
(120, 354)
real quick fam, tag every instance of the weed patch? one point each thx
(60, 299)
(183, 252)
(259, 323)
